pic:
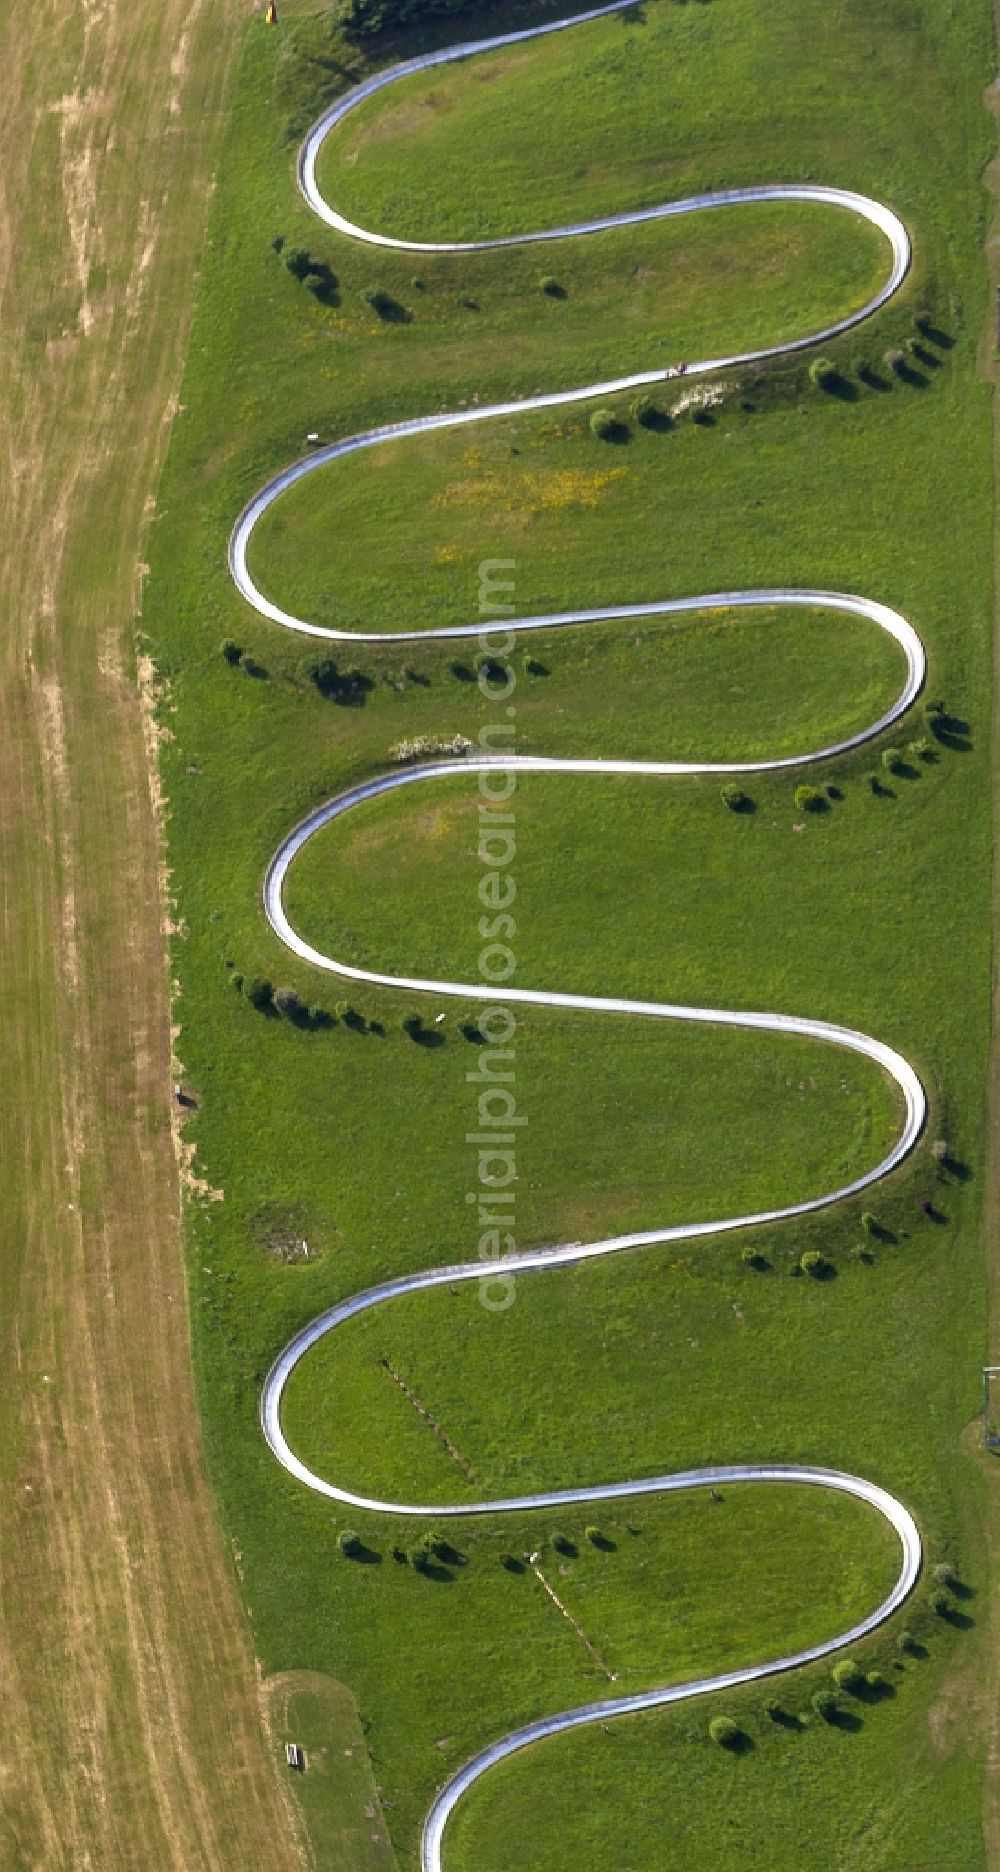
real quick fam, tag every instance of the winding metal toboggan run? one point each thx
(891, 1062)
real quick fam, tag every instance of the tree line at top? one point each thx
(363, 19)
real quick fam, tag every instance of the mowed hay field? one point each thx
(132, 1728)
(344, 1132)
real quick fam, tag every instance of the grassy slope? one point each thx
(356, 1141)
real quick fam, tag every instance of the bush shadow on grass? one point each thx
(835, 384)
(934, 335)
(741, 1744)
(431, 1569)
(391, 312)
(363, 1555)
(961, 1589)
(869, 376)
(421, 1035)
(881, 1692)
(956, 1618)
(953, 732)
(881, 1232)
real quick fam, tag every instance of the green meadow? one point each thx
(350, 1134)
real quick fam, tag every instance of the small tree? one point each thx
(814, 1263)
(822, 373)
(349, 1543)
(848, 1675)
(644, 411)
(260, 992)
(826, 1706)
(734, 797)
(725, 1732)
(298, 263)
(810, 799)
(288, 1003)
(230, 651)
(605, 425)
(550, 287)
(895, 360)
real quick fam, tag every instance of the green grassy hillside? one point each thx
(874, 913)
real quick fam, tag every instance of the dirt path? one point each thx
(132, 1722)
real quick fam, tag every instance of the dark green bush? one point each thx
(605, 425)
(645, 412)
(349, 1543)
(380, 301)
(810, 799)
(231, 651)
(260, 992)
(895, 359)
(734, 797)
(365, 19)
(826, 1706)
(288, 1003)
(814, 1263)
(298, 263)
(725, 1732)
